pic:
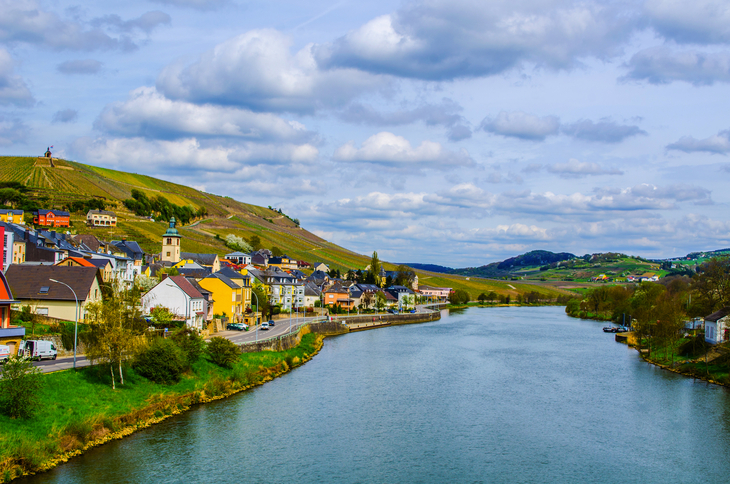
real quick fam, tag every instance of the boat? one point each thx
(610, 329)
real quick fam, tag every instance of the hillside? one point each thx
(507, 267)
(68, 181)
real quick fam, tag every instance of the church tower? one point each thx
(171, 244)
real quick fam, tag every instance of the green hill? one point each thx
(66, 182)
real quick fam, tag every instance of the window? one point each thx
(42, 311)
(44, 290)
(168, 254)
(169, 241)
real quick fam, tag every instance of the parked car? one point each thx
(265, 326)
(4, 353)
(393, 311)
(237, 326)
(271, 323)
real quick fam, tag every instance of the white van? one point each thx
(4, 353)
(37, 349)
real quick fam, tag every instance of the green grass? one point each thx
(78, 405)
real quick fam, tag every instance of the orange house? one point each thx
(51, 218)
(336, 294)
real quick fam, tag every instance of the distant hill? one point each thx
(431, 268)
(535, 258)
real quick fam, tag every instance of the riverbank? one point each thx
(81, 411)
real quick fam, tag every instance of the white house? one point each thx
(180, 297)
(321, 266)
(238, 257)
(717, 325)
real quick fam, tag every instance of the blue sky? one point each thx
(449, 132)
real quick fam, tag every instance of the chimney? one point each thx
(163, 277)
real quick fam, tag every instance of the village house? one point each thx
(211, 261)
(312, 294)
(33, 286)
(284, 262)
(321, 266)
(717, 326)
(228, 297)
(9, 335)
(238, 258)
(11, 216)
(435, 294)
(52, 218)
(336, 294)
(101, 218)
(177, 295)
(129, 249)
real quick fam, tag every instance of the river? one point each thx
(497, 395)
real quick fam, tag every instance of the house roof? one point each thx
(57, 213)
(89, 241)
(26, 281)
(336, 287)
(311, 289)
(225, 280)
(14, 212)
(80, 261)
(99, 262)
(185, 285)
(716, 315)
(230, 273)
(203, 259)
(101, 212)
(129, 247)
(194, 272)
(237, 254)
(6, 295)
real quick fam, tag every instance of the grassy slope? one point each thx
(225, 216)
(583, 271)
(69, 418)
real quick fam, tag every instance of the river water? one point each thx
(494, 395)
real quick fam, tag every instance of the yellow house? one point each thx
(228, 297)
(11, 216)
(18, 252)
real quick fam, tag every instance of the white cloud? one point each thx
(13, 89)
(391, 150)
(148, 113)
(717, 144)
(522, 125)
(577, 169)
(690, 21)
(605, 131)
(661, 65)
(190, 154)
(257, 70)
(440, 39)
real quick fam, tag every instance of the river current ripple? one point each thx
(493, 395)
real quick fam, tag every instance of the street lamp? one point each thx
(76, 325)
(256, 314)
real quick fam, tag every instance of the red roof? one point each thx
(80, 261)
(185, 285)
(5, 293)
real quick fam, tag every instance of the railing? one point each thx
(294, 329)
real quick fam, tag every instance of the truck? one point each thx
(4, 353)
(38, 349)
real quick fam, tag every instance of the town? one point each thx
(52, 276)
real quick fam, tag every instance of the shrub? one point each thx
(694, 346)
(161, 362)
(223, 352)
(20, 384)
(191, 343)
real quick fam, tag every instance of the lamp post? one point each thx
(256, 314)
(76, 324)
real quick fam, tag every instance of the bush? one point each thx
(20, 384)
(161, 362)
(191, 344)
(223, 352)
(459, 296)
(694, 346)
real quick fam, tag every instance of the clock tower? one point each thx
(171, 244)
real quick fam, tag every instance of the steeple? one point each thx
(171, 244)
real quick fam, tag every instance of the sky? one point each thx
(450, 132)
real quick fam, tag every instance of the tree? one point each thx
(115, 329)
(162, 361)
(235, 242)
(255, 242)
(223, 352)
(460, 296)
(276, 252)
(405, 276)
(263, 300)
(711, 286)
(482, 298)
(20, 384)
(380, 300)
(492, 296)
(409, 301)
(375, 268)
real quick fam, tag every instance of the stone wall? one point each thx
(282, 343)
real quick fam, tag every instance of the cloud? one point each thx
(195, 4)
(690, 21)
(513, 232)
(604, 131)
(13, 89)
(12, 131)
(65, 116)
(189, 156)
(256, 70)
(25, 21)
(660, 65)
(81, 66)
(579, 169)
(146, 22)
(521, 125)
(395, 151)
(443, 114)
(718, 144)
(149, 114)
(440, 39)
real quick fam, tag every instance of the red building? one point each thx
(51, 218)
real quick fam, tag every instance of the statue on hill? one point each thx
(48, 152)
